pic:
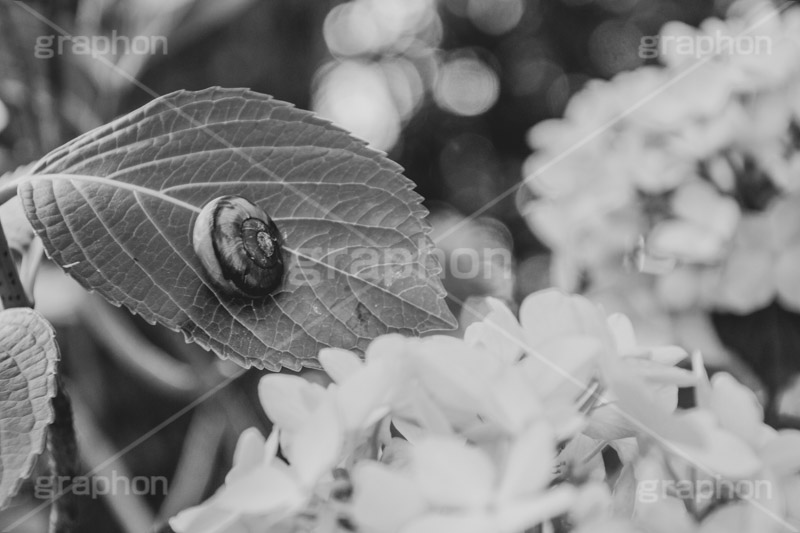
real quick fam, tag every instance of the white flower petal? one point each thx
(265, 489)
(702, 390)
(664, 514)
(680, 289)
(720, 453)
(784, 219)
(467, 522)
(288, 400)
(551, 314)
(698, 202)
(248, 454)
(524, 514)
(392, 345)
(736, 407)
(562, 366)
(410, 430)
(685, 241)
(787, 278)
(398, 453)
(529, 464)
(206, 518)
(667, 355)
(627, 449)
(658, 374)
(499, 332)
(640, 405)
(316, 447)
(384, 500)
(622, 331)
(453, 374)
(747, 282)
(782, 453)
(366, 396)
(339, 364)
(513, 402)
(272, 445)
(609, 422)
(451, 474)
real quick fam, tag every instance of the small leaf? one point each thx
(28, 356)
(116, 208)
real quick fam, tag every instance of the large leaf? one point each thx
(28, 357)
(116, 206)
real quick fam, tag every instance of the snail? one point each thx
(239, 246)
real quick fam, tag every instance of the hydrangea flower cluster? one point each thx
(715, 467)
(502, 431)
(690, 170)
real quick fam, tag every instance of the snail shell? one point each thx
(239, 246)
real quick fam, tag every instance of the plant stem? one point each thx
(103, 460)
(62, 445)
(196, 465)
(12, 292)
(8, 190)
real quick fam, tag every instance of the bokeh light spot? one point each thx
(495, 16)
(365, 27)
(356, 96)
(349, 29)
(466, 86)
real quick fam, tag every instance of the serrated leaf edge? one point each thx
(52, 371)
